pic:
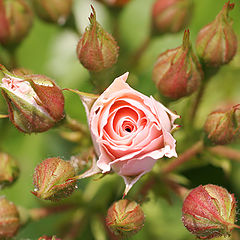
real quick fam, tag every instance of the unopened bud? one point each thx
(115, 3)
(177, 72)
(9, 170)
(16, 20)
(97, 50)
(217, 42)
(53, 179)
(125, 218)
(209, 211)
(35, 102)
(223, 126)
(9, 219)
(171, 16)
(56, 11)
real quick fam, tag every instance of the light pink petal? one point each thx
(133, 167)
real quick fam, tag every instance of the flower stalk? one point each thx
(225, 151)
(184, 157)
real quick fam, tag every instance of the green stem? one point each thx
(184, 157)
(39, 213)
(136, 57)
(178, 189)
(115, 14)
(77, 225)
(71, 24)
(197, 102)
(74, 125)
(12, 51)
(208, 73)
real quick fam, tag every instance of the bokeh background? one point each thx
(51, 50)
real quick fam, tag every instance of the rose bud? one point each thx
(209, 211)
(9, 219)
(222, 126)
(217, 42)
(55, 11)
(115, 3)
(125, 218)
(52, 179)
(9, 170)
(35, 102)
(16, 20)
(177, 72)
(130, 131)
(171, 16)
(97, 50)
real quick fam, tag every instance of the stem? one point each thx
(39, 213)
(13, 58)
(115, 15)
(143, 191)
(71, 24)
(226, 152)
(197, 102)
(77, 224)
(136, 57)
(184, 157)
(74, 125)
(177, 188)
(208, 73)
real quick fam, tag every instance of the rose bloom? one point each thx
(130, 131)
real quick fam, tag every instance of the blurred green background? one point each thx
(51, 50)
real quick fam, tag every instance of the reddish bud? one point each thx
(223, 126)
(209, 211)
(97, 50)
(56, 11)
(125, 218)
(53, 179)
(115, 3)
(16, 20)
(9, 170)
(171, 15)
(217, 42)
(35, 102)
(9, 219)
(177, 72)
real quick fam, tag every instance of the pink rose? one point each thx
(130, 131)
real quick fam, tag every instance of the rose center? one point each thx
(128, 127)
